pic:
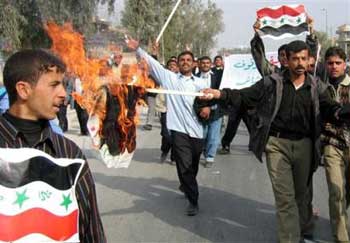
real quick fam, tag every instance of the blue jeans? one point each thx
(212, 138)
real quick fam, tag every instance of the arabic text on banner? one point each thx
(240, 70)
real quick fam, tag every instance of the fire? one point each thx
(127, 85)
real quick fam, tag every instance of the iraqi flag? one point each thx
(283, 21)
(37, 197)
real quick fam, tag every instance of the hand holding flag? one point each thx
(257, 25)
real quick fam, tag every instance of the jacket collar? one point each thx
(279, 76)
(346, 81)
(11, 134)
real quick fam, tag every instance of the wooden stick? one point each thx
(176, 92)
(168, 20)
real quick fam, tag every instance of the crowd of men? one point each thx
(298, 114)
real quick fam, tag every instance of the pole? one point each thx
(326, 14)
(168, 20)
(317, 58)
(177, 92)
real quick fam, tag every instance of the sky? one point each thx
(240, 15)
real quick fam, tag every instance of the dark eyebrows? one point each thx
(55, 82)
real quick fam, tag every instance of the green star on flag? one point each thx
(298, 20)
(66, 201)
(282, 20)
(21, 197)
(264, 22)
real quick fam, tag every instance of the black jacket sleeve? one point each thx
(264, 67)
(312, 42)
(247, 98)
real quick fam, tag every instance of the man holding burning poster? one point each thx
(186, 130)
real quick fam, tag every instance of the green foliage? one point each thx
(194, 25)
(325, 42)
(22, 21)
(10, 25)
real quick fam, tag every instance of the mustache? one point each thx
(300, 67)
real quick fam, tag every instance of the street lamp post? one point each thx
(326, 13)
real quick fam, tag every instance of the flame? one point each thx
(95, 73)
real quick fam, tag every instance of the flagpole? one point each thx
(317, 58)
(168, 20)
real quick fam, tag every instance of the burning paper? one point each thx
(107, 96)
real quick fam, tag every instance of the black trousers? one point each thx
(62, 118)
(83, 117)
(234, 119)
(166, 136)
(187, 152)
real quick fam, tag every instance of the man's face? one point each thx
(312, 65)
(172, 66)
(218, 62)
(282, 58)
(298, 62)
(117, 59)
(46, 96)
(185, 64)
(335, 66)
(205, 65)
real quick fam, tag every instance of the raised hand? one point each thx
(155, 48)
(131, 43)
(256, 25)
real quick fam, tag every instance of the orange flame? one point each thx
(95, 73)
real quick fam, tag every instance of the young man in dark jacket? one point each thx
(335, 139)
(33, 80)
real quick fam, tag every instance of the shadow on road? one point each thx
(223, 217)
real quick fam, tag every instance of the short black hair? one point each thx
(28, 65)
(335, 51)
(296, 46)
(170, 61)
(218, 56)
(205, 58)
(185, 53)
(282, 48)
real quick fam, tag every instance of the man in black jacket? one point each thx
(287, 128)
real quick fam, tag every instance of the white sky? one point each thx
(240, 15)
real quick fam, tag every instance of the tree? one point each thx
(22, 21)
(325, 42)
(10, 22)
(194, 24)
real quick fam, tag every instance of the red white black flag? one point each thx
(37, 197)
(282, 21)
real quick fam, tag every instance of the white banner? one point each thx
(240, 70)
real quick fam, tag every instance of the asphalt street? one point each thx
(143, 203)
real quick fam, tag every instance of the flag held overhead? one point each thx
(282, 21)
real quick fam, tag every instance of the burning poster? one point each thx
(109, 97)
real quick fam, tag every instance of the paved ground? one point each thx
(142, 203)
